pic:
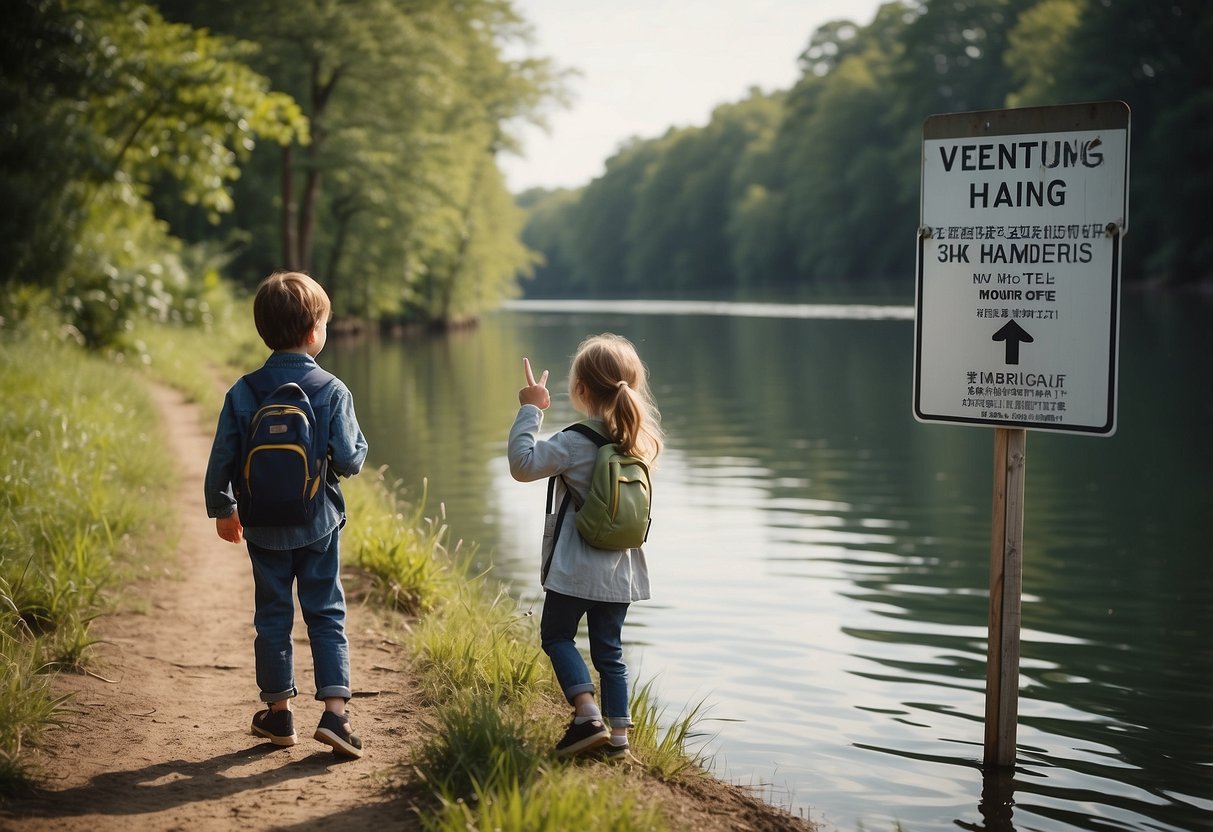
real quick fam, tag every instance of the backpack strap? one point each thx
(594, 436)
(564, 507)
(589, 433)
(599, 440)
(313, 381)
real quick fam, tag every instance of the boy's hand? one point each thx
(535, 392)
(230, 528)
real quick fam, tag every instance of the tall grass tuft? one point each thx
(27, 706)
(403, 551)
(480, 641)
(478, 746)
(564, 799)
(489, 766)
(82, 485)
(667, 750)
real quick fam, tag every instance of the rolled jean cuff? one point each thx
(573, 690)
(620, 722)
(334, 690)
(278, 697)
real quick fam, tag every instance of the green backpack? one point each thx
(615, 513)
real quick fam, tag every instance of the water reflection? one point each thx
(820, 560)
(997, 803)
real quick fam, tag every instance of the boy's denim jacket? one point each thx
(347, 451)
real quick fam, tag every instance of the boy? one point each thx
(291, 312)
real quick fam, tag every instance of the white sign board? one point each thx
(1017, 311)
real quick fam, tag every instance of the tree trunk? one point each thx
(307, 212)
(465, 241)
(343, 215)
(290, 243)
(321, 91)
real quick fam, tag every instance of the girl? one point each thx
(609, 384)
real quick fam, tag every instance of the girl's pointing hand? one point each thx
(535, 392)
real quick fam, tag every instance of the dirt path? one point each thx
(163, 742)
(166, 743)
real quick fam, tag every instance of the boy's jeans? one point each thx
(316, 569)
(558, 628)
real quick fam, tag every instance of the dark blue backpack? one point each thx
(284, 461)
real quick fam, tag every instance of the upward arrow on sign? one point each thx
(1013, 334)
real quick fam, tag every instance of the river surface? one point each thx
(820, 560)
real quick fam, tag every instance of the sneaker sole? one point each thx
(285, 742)
(582, 746)
(339, 745)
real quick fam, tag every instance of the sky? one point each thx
(648, 65)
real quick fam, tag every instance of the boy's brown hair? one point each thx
(288, 306)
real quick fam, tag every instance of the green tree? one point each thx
(1155, 57)
(683, 206)
(759, 245)
(600, 220)
(548, 230)
(483, 253)
(115, 102)
(397, 201)
(1036, 45)
(44, 145)
(844, 191)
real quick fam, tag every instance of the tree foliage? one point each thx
(397, 203)
(146, 144)
(106, 102)
(816, 188)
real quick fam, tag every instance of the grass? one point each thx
(403, 551)
(477, 750)
(666, 745)
(564, 799)
(192, 359)
(479, 641)
(498, 714)
(83, 489)
(27, 705)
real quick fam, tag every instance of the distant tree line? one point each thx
(149, 146)
(816, 189)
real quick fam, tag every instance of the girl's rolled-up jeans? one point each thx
(558, 630)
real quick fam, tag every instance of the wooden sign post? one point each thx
(1006, 590)
(1016, 323)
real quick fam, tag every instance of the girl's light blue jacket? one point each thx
(577, 568)
(347, 452)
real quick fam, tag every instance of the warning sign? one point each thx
(1017, 308)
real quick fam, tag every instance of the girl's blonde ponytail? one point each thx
(614, 383)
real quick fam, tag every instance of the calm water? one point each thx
(820, 560)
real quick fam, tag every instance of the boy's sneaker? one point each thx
(276, 726)
(334, 730)
(582, 737)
